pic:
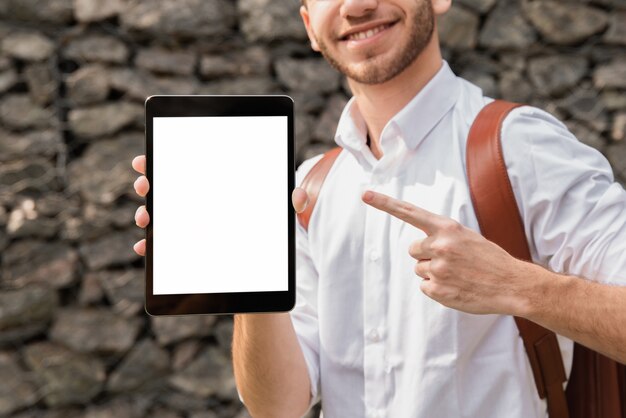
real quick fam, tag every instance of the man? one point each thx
(403, 309)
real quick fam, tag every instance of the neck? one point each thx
(378, 103)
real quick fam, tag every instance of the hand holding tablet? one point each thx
(224, 158)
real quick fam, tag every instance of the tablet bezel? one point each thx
(220, 303)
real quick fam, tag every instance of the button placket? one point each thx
(374, 308)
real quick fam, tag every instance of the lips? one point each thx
(366, 31)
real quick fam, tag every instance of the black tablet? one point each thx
(221, 237)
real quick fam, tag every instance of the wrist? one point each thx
(532, 291)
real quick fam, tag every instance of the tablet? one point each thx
(221, 237)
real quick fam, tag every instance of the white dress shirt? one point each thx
(374, 344)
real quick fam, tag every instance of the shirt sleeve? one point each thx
(304, 314)
(573, 210)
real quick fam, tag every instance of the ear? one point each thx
(304, 12)
(441, 6)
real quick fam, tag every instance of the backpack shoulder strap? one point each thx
(312, 183)
(500, 222)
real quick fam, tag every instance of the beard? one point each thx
(376, 69)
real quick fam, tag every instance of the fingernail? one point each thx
(368, 196)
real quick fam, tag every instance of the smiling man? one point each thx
(403, 309)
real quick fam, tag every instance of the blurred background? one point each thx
(74, 338)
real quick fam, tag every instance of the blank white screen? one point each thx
(219, 209)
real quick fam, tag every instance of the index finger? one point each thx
(418, 217)
(139, 164)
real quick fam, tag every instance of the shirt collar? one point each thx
(414, 121)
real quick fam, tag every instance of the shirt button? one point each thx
(374, 335)
(374, 255)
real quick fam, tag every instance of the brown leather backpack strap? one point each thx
(500, 221)
(312, 183)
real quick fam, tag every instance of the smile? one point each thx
(357, 36)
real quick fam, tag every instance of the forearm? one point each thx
(269, 366)
(590, 313)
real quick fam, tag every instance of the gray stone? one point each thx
(481, 6)
(556, 74)
(186, 402)
(618, 131)
(42, 85)
(139, 84)
(29, 261)
(26, 221)
(57, 204)
(161, 60)
(162, 412)
(57, 412)
(223, 331)
(251, 61)
(104, 173)
(112, 249)
(96, 48)
(8, 78)
(312, 74)
(307, 101)
(46, 143)
(28, 46)
(27, 175)
(170, 329)
(505, 28)
(126, 407)
(244, 85)
(515, 61)
(97, 220)
(65, 377)
(616, 153)
(94, 330)
(305, 124)
(616, 34)
(612, 75)
(586, 135)
(602, 53)
(326, 125)
(17, 390)
(204, 414)
(514, 87)
(124, 289)
(270, 20)
(88, 85)
(458, 28)
(52, 11)
(565, 23)
(20, 112)
(5, 62)
(486, 82)
(584, 105)
(617, 4)
(209, 374)
(91, 292)
(94, 10)
(184, 353)
(25, 312)
(103, 119)
(187, 18)
(141, 367)
(613, 100)
(478, 62)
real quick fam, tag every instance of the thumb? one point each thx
(299, 199)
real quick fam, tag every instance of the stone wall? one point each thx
(74, 338)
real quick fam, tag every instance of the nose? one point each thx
(357, 8)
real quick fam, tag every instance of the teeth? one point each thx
(366, 34)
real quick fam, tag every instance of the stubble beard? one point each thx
(420, 33)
